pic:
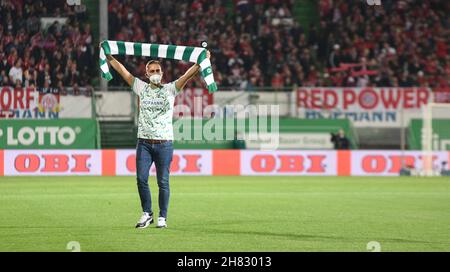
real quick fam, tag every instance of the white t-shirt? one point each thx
(155, 110)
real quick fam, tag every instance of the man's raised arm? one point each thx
(190, 73)
(121, 69)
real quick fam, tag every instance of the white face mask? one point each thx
(155, 79)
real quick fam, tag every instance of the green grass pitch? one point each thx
(227, 214)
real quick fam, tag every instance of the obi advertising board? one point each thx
(52, 162)
(96, 162)
(365, 107)
(218, 162)
(184, 162)
(314, 163)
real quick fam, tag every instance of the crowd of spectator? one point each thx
(260, 44)
(34, 55)
(248, 49)
(399, 43)
(254, 43)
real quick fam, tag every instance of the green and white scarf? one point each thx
(177, 52)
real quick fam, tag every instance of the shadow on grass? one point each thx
(202, 229)
(299, 236)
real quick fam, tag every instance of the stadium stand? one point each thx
(33, 54)
(256, 44)
(398, 44)
(405, 43)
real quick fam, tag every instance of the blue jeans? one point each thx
(161, 154)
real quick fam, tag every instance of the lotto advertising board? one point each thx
(48, 134)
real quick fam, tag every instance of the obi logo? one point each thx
(187, 163)
(375, 164)
(52, 163)
(40, 135)
(288, 163)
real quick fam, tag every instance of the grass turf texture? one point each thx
(227, 214)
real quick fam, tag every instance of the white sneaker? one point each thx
(161, 223)
(145, 221)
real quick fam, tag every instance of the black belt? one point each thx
(151, 141)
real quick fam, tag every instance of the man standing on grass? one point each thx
(155, 132)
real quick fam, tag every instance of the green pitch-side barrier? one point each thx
(441, 134)
(190, 133)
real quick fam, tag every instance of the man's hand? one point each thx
(119, 68)
(190, 73)
(100, 47)
(108, 56)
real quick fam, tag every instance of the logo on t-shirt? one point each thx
(153, 103)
